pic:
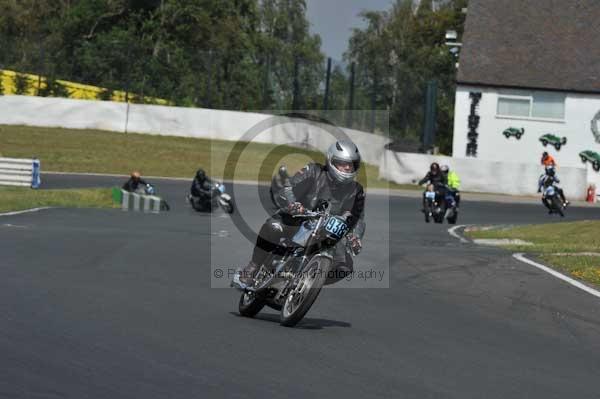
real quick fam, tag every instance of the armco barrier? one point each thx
(482, 176)
(20, 172)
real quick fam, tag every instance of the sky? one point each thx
(333, 20)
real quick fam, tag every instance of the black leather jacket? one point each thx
(312, 184)
(438, 179)
(201, 188)
(132, 185)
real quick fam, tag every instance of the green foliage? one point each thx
(17, 198)
(21, 83)
(399, 51)
(237, 54)
(53, 88)
(105, 95)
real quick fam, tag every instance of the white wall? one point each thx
(175, 121)
(482, 176)
(580, 109)
(62, 112)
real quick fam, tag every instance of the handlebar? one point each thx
(310, 214)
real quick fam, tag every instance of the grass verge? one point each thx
(72, 150)
(562, 245)
(20, 198)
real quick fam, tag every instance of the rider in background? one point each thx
(550, 179)
(453, 183)
(436, 178)
(201, 191)
(546, 161)
(134, 182)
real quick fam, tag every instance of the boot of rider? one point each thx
(562, 197)
(269, 235)
(547, 205)
(247, 274)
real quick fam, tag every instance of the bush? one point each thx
(105, 95)
(54, 89)
(21, 84)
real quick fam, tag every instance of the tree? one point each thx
(398, 52)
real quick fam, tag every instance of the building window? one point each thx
(513, 106)
(543, 105)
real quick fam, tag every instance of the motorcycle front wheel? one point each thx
(301, 298)
(250, 304)
(226, 204)
(427, 210)
(438, 215)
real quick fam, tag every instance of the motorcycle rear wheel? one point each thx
(228, 207)
(452, 217)
(558, 206)
(302, 297)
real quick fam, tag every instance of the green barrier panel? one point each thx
(117, 196)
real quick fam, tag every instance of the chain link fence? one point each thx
(128, 71)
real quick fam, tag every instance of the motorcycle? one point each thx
(292, 276)
(147, 189)
(150, 190)
(219, 198)
(553, 199)
(433, 206)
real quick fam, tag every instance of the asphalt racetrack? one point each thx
(111, 304)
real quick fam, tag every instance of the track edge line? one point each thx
(521, 258)
(31, 210)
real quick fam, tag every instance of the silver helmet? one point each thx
(343, 152)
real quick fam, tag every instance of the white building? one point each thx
(533, 66)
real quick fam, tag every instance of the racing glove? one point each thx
(295, 208)
(355, 244)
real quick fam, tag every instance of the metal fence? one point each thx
(209, 79)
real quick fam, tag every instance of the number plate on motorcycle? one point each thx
(430, 195)
(336, 227)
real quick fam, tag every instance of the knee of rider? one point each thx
(271, 231)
